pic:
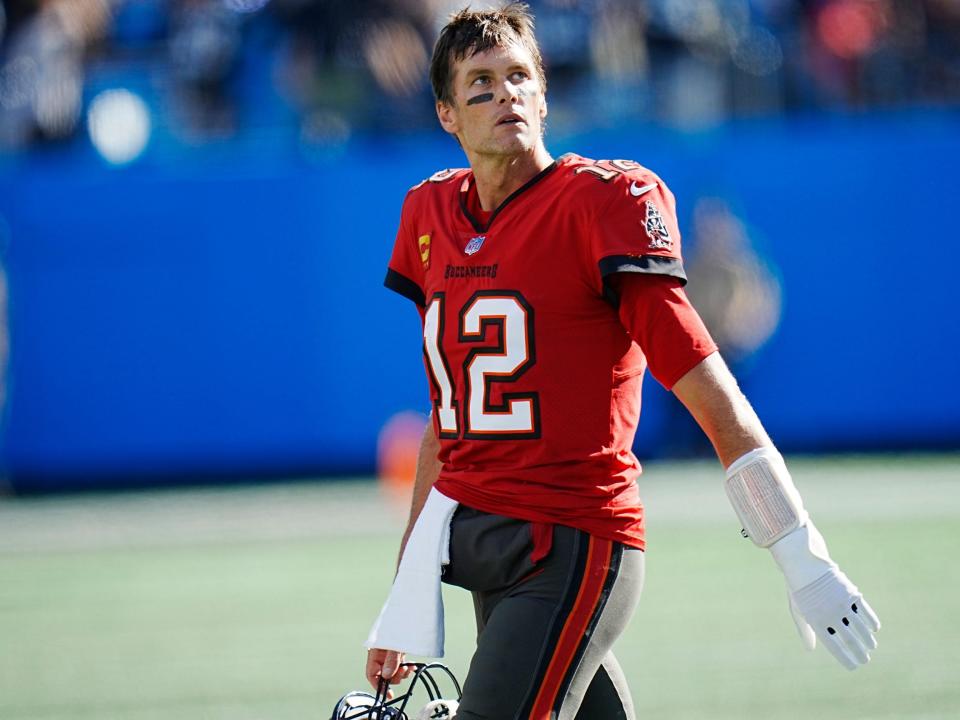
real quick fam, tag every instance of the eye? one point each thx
(518, 76)
(480, 80)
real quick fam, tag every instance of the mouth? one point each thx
(511, 119)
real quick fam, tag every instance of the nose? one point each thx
(509, 93)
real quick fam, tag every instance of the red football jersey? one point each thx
(534, 380)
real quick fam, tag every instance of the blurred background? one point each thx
(198, 199)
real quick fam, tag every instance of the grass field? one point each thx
(253, 603)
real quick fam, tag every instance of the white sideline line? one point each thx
(867, 490)
(848, 489)
(170, 518)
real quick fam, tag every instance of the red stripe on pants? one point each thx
(589, 596)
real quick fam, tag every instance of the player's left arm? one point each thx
(644, 272)
(711, 394)
(683, 357)
(825, 604)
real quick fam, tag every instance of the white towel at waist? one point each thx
(411, 620)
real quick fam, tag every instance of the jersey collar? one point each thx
(468, 187)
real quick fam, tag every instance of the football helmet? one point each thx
(424, 689)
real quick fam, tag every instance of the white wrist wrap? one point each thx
(764, 497)
(802, 556)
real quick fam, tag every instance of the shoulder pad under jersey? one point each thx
(440, 176)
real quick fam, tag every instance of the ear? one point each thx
(447, 116)
(543, 109)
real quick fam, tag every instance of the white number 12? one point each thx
(517, 416)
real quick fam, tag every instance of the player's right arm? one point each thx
(382, 662)
(428, 470)
(405, 275)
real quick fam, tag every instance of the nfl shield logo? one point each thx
(475, 244)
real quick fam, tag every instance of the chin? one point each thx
(506, 146)
(517, 144)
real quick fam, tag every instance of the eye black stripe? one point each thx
(476, 99)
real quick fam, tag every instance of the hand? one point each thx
(385, 664)
(832, 609)
(823, 601)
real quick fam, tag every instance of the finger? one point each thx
(832, 643)
(374, 663)
(859, 628)
(854, 647)
(807, 635)
(390, 665)
(861, 608)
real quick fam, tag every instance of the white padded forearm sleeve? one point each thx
(764, 497)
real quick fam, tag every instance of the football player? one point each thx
(546, 288)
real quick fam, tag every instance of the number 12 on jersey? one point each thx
(503, 357)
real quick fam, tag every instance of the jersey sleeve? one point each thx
(658, 316)
(636, 230)
(410, 259)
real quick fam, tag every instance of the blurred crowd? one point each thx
(205, 69)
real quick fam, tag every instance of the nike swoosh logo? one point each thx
(637, 191)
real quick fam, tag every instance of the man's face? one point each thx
(498, 105)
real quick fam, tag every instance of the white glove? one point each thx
(823, 601)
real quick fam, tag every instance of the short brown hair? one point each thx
(472, 31)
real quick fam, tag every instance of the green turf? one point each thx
(254, 603)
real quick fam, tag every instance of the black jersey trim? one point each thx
(480, 227)
(405, 286)
(648, 264)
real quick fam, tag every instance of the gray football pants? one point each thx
(545, 631)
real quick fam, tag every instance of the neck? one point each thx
(497, 176)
